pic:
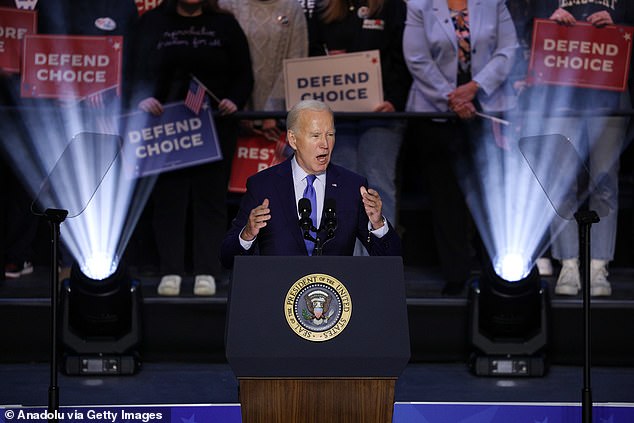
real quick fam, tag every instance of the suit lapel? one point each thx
(441, 11)
(334, 191)
(475, 20)
(332, 184)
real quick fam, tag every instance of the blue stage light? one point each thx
(512, 266)
(99, 265)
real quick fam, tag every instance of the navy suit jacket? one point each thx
(283, 236)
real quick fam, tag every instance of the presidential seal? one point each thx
(318, 307)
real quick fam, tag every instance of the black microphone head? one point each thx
(330, 215)
(330, 207)
(304, 207)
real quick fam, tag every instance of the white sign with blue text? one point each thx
(349, 82)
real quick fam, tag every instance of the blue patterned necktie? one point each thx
(309, 193)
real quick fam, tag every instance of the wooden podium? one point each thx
(315, 400)
(288, 373)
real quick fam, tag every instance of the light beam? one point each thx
(35, 137)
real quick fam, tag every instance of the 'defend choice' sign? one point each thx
(580, 55)
(14, 26)
(67, 67)
(348, 82)
(175, 139)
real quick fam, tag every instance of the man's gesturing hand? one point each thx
(257, 220)
(373, 207)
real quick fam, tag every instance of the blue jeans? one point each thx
(371, 148)
(605, 136)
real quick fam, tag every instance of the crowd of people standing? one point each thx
(437, 56)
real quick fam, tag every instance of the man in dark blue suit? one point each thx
(268, 220)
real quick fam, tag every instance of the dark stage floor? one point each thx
(182, 383)
(170, 377)
(186, 383)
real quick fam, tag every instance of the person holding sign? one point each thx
(271, 217)
(596, 136)
(276, 31)
(95, 18)
(368, 146)
(178, 41)
(460, 59)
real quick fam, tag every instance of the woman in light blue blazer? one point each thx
(460, 54)
(430, 45)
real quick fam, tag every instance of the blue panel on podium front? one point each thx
(274, 302)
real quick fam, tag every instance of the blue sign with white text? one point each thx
(175, 139)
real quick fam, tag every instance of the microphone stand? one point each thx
(319, 241)
(329, 224)
(319, 246)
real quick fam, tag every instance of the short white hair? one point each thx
(293, 115)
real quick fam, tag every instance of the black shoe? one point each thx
(453, 288)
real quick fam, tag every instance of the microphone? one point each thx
(330, 216)
(304, 208)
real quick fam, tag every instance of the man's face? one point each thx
(314, 140)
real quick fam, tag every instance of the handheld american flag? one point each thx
(195, 96)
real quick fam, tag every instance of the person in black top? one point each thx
(369, 147)
(18, 226)
(178, 40)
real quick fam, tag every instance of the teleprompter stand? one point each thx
(585, 219)
(97, 152)
(55, 218)
(568, 186)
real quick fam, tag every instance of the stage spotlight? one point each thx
(509, 319)
(101, 321)
(511, 266)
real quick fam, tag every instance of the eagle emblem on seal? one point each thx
(317, 307)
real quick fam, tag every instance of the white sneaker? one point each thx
(170, 285)
(599, 284)
(205, 285)
(544, 266)
(13, 271)
(569, 280)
